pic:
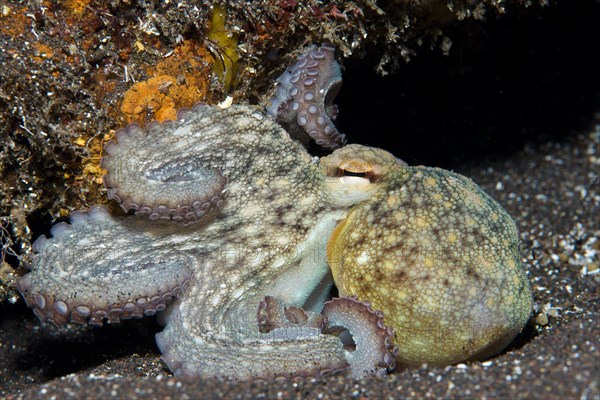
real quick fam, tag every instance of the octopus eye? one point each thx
(352, 173)
(357, 168)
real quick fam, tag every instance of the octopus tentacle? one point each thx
(303, 98)
(183, 189)
(92, 281)
(288, 352)
(273, 314)
(375, 352)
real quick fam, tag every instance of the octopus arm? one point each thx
(288, 351)
(179, 170)
(374, 351)
(290, 343)
(99, 268)
(303, 97)
(273, 314)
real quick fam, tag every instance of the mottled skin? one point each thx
(440, 258)
(267, 238)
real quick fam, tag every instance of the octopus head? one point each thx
(436, 254)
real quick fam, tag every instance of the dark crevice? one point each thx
(526, 79)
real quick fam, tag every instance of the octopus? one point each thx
(234, 234)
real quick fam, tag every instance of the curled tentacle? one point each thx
(375, 352)
(273, 314)
(144, 177)
(303, 98)
(93, 281)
